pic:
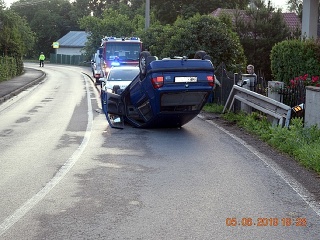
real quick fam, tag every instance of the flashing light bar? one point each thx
(121, 39)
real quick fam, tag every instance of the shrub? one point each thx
(294, 58)
(10, 67)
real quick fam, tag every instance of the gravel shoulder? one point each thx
(309, 179)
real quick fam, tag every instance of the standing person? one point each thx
(250, 69)
(253, 81)
(41, 59)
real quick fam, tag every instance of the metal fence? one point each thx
(226, 79)
(289, 95)
(67, 59)
(293, 95)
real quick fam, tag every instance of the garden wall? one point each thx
(312, 106)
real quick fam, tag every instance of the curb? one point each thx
(92, 80)
(17, 91)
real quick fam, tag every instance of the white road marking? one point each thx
(28, 205)
(295, 185)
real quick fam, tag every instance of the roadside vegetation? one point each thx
(176, 28)
(16, 39)
(297, 141)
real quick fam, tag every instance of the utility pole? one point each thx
(147, 15)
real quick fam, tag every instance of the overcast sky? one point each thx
(280, 4)
(275, 3)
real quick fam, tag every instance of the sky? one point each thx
(280, 4)
(275, 3)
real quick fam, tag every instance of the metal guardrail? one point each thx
(279, 112)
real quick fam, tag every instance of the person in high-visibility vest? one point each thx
(41, 59)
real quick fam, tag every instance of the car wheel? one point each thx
(207, 57)
(143, 63)
(200, 54)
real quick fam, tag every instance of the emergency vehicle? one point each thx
(116, 51)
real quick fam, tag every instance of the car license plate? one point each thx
(185, 79)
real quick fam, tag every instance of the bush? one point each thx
(293, 58)
(10, 67)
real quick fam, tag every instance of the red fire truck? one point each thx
(119, 51)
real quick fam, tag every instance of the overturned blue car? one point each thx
(166, 93)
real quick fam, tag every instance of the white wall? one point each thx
(69, 51)
(312, 113)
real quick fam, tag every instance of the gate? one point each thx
(226, 79)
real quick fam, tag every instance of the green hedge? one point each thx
(294, 58)
(10, 67)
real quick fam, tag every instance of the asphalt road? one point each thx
(65, 174)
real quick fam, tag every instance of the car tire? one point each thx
(143, 63)
(207, 57)
(200, 54)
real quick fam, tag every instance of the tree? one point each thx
(296, 6)
(200, 32)
(47, 32)
(260, 28)
(16, 37)
(79, 9)
(167, 11)
(2, 4)
(113, 23)
(50, 20)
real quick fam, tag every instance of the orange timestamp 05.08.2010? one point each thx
(266, 222)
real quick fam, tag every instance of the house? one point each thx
(72, 43)
(291, 19)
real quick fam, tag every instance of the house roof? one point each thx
(290, 18)
(73, 39)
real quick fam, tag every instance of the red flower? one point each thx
(292, 82)
(315, 79)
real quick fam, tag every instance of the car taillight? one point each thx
(210, 79)
(157, 82)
